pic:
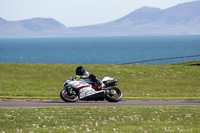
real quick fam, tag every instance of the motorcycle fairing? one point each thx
(78, 85)
(89, 93)
(86, 92)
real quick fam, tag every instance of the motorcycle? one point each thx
(75, 89)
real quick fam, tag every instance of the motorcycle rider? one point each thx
(80, 71)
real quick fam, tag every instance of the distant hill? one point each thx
(183, 19)
(36, 27)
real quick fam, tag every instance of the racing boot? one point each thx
(101, 84)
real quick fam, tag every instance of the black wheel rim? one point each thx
(115, 93)
(68, 96)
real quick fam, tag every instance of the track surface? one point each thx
(58, 103)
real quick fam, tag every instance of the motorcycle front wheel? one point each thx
(114, 95)
(65, 96)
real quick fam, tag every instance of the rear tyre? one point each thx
(67, 97)
(114, 95)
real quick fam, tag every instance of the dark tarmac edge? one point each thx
(38, 103)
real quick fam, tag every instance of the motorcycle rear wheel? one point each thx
(68, 98)
(114, 95)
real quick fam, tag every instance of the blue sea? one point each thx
(96, 50)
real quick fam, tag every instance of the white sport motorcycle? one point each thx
(84, 89)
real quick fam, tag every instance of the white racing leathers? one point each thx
(86, 78)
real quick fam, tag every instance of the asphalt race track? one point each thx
(59, 103)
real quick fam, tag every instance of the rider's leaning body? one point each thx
(80, 71)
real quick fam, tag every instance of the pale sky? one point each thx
(73, 13)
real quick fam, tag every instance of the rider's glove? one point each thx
(77, 77)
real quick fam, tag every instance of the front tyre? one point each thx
(68, 97)
(114, 95)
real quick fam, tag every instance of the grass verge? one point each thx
(138, 82)
(101, 119)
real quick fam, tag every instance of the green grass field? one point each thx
(101, 119)
(44, 81)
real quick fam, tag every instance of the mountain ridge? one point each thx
(151, 21)
(182, 19)
(34, 27)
